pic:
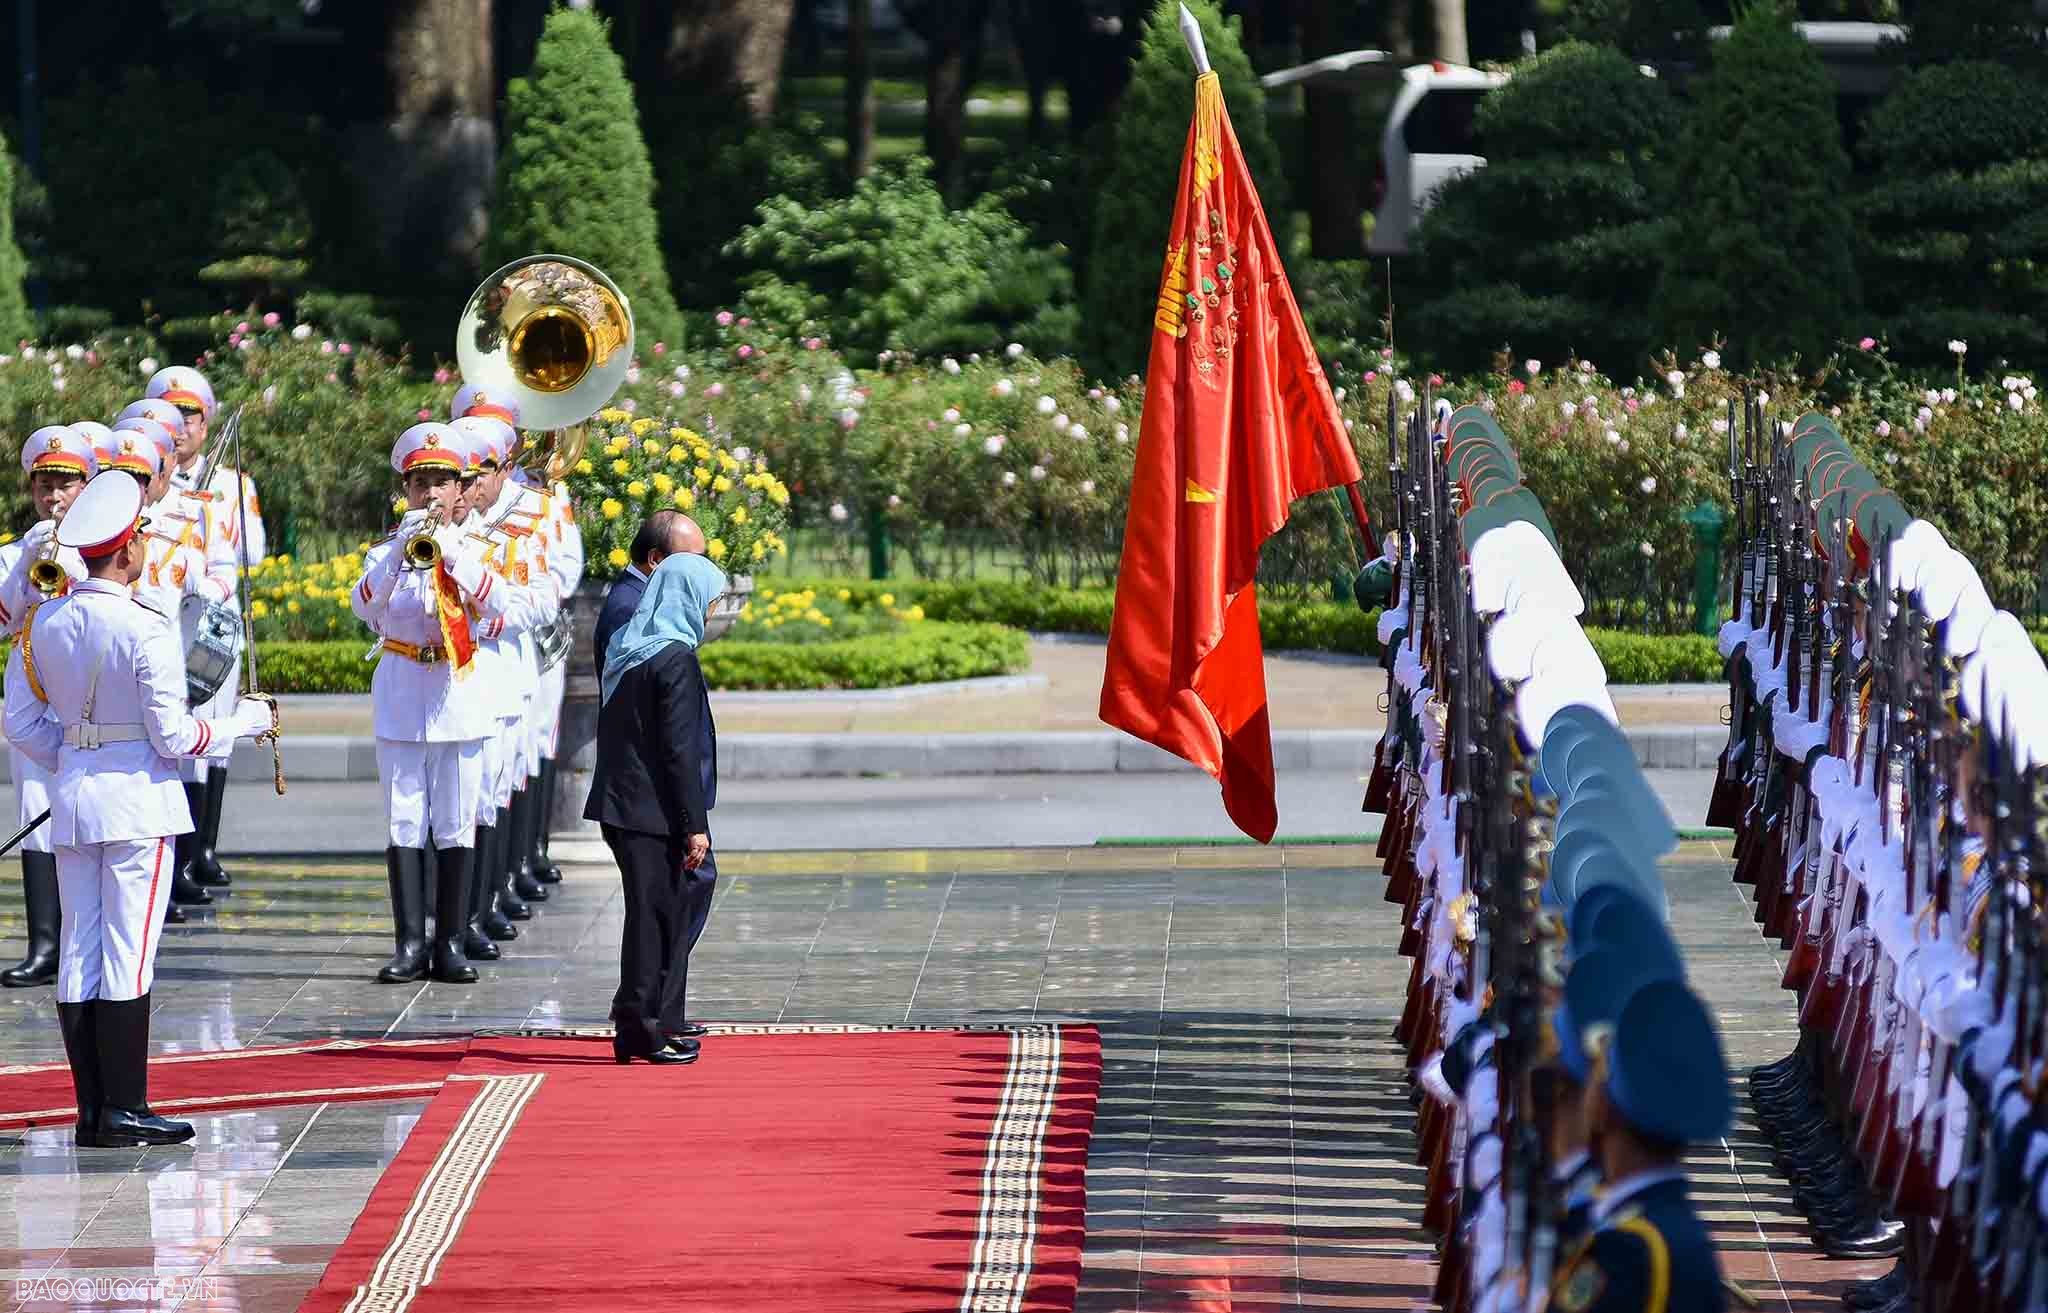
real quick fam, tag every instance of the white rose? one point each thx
(950, 365)
(1087, 487)
(75, 351)
(1676, 378)
(1647, 550)
(1014, 350)
(58, 383)
(993, 444)
(1009, 478)
(1405, 390)
(1534, 367)
(1339, 395)
(1112, 405)
(2015, 400)
(803, 393)
(1038, 474)
(270, 396)
(1060, 422)
(1585, 366)
(1077, 433)
(1123, 433)
(894, 501)
(1721, 427)
(743, 453)
(1649, 484)
(1948, 395)
(1046, 405)
(682, 371)
(1004, 387)
(1613, 438)
(300, 332)
(1712, 360)
(1958, 347)
(837, 512)
(1570, 409)
(951, 416)
(147, 366)
(632, 371)
(1884, 428)
(1680, 432)
(962, 430)
(28, 353)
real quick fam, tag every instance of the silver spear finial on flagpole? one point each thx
(1191, 32)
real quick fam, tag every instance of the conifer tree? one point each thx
(574, 176)
(1134, 198)
(1761, 252)
(14, 317)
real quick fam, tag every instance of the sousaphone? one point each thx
(553, 335)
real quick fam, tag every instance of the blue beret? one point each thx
(1600, 982)
(1666, 1075)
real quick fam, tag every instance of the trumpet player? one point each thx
(56, 460)
(421, 590)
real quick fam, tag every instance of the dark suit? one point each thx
(647, 792)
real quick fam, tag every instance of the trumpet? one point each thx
(423, 550)
(44, 572)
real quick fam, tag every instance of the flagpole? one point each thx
(1191, 32)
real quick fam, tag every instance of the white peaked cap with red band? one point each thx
(488, 439)
(133, 448)
(429, 447)
(470, 400)
(104, 517)
(156, 408)
(61, 448)
(182, 385)
(161, 435)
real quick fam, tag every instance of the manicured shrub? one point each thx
(890, 267)
(300, 667)
(574, 176)
(1135, 197)
(14, 317)
(920, 654)
(1553, 247)
(1760, 254)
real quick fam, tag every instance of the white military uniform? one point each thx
(429, 710)
(515, 552)
(563, 547)
(18, 597)
(110, 669)
(181, 385)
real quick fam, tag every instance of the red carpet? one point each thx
(793, 1167)
(194, 1084)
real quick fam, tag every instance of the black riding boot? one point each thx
(477, 944)
(510, 904)
(483, 898)
(408, 871)
(81, 1050)
(185, 852)
(206, 868)
(123, 1043)
(451, 915)
(519, 848)
(544, 867)
(45, 919)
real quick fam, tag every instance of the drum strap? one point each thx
(28, 655)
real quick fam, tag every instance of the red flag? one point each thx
(456, 639)
(1239, 422)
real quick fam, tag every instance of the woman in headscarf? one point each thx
(647, 793)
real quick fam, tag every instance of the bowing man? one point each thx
(647, 792)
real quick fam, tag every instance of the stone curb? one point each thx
(340, 758)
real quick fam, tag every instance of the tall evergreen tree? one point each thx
(14, 317)
(574, 175)
(1761, 252)
(1134, 198)
(1955, 243)
(1554, 246)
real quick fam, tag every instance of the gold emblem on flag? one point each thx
(1199, 495)
(1172, 286)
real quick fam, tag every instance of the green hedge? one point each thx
(925, 653)
(314, 667)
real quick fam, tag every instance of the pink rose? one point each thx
(745, 351)
(426, 414)
(1632, 405)
(661, 348)
(242, 327)
(746, 322)
(327, 348)
(813, 343)
(345, 348)
(271, 320)
(1868, 344)
(234, 339)
(440, 376)
(334, 378)
(715, 390)
(725, 319)
(92, 357)
(1371, 374)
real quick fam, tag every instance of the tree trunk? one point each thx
(1449, 18)
(737, 42)
(860, 89)
(1336, 196)
(953, 56)
(427, 174)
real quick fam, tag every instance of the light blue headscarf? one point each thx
(672, 610)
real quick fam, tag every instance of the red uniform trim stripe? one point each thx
(153, 920)
(484, 590)
(205, 738)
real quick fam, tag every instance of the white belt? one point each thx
(89, 734)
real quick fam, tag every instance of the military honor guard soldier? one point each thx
(95, 695)
(1656, 1082)
(56, 461)
(420, 591)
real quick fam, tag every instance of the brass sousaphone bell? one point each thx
(552, 335)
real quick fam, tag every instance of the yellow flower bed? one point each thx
(637, 466)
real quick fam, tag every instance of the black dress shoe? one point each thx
(1882, 1238)
(1875, 1294)
(666, 1056)
(126, 1128)
(688, 1030)
(477, 946)
(174, 915)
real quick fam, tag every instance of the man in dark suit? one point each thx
(663, 534)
